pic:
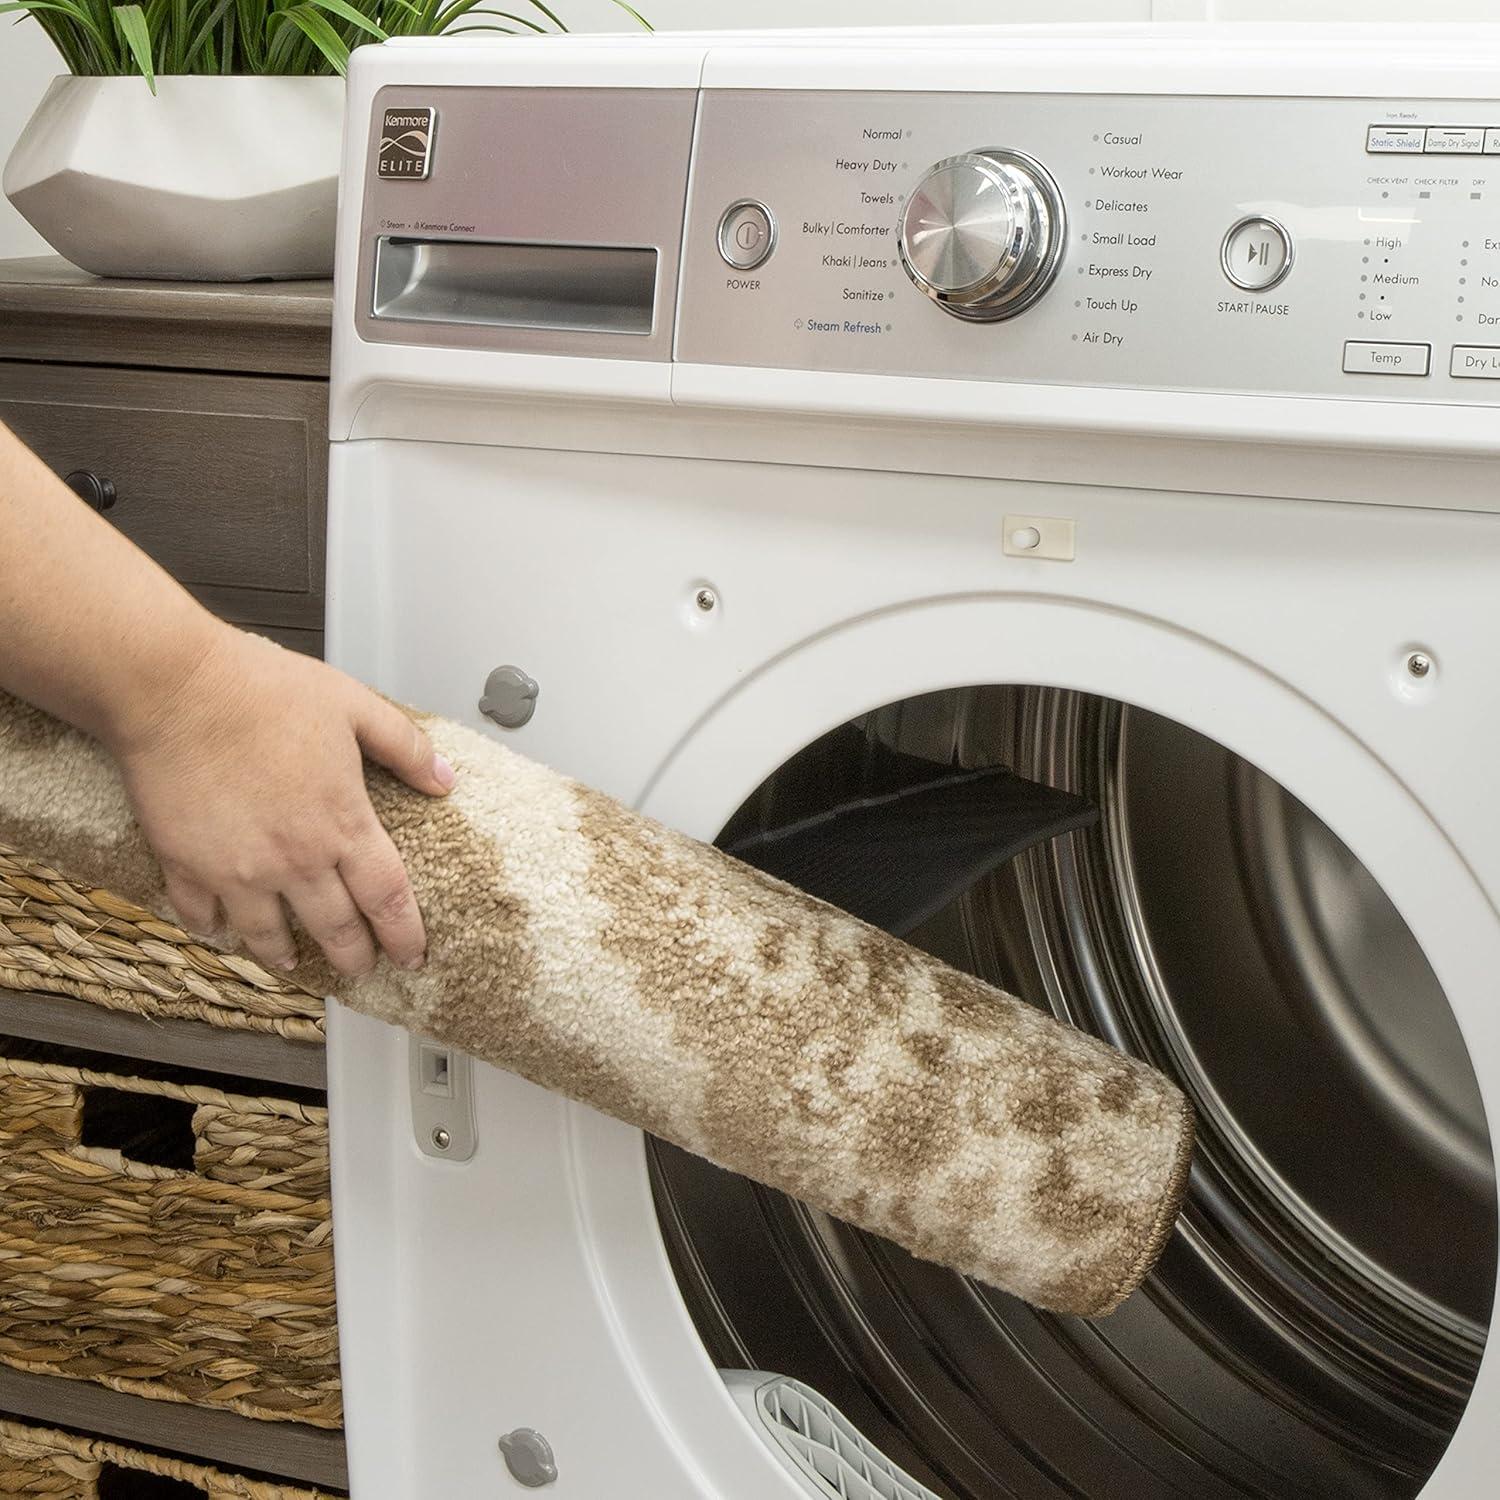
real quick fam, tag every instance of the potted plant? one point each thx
(200, 139)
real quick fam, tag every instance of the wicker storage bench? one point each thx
(165, 1237)
(68, 940)
(63, 1466)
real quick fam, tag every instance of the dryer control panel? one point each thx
(1294, 246)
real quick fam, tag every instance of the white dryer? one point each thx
(1119, 406)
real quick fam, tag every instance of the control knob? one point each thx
(982, 234)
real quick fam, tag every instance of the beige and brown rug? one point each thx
(655, 978)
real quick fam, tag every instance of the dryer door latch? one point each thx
(442, 1100)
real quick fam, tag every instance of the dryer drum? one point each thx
(1316, 1323)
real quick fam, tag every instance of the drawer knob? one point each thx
(98, 494)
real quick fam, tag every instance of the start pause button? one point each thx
(1256, 253)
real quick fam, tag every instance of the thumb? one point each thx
(391, 740)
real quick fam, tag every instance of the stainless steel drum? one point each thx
(1314, 1328)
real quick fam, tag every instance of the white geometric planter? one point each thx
(208, 179)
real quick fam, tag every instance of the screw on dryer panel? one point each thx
(528, 1456)
(509, 698)
(441, 1139)
(705, 599)
(1419, 664)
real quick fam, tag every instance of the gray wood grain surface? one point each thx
(309, 641)
(221, 478)
(66, 1022)
(50, 310)
(285, 1448)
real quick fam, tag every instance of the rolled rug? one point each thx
(597, 953)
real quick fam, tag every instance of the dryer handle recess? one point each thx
(495, 284)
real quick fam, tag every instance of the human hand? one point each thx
(247, 779)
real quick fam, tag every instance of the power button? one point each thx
(747, 234)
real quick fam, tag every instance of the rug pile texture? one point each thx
(602, 955)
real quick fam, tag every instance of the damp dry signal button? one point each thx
(1450, 140)
(747, 235)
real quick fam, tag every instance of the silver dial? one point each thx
(982, 234)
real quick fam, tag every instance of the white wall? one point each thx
(27, 60)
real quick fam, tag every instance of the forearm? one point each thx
(91, 629)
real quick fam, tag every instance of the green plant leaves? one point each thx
(635, 15)
(550, 15)
(130, 22)
(315, 26)
(198, 40)
(156, 37)
(74, 32)
(347, 12)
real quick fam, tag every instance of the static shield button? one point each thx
(747, 235)
(1382, 140)
(1256, 254)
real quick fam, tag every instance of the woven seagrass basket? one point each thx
(39, 1461)
(199, 1270)
(67, 939)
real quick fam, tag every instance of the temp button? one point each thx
(747, 234)
(1386, 359)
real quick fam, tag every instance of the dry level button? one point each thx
(747, 234)
(1386, 359)
(1475, 362)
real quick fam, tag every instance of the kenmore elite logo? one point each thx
(406, 143)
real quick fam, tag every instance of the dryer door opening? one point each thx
(1317, 1321)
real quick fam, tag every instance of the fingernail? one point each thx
(442, 771)
(288, 964)
(414, 963)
